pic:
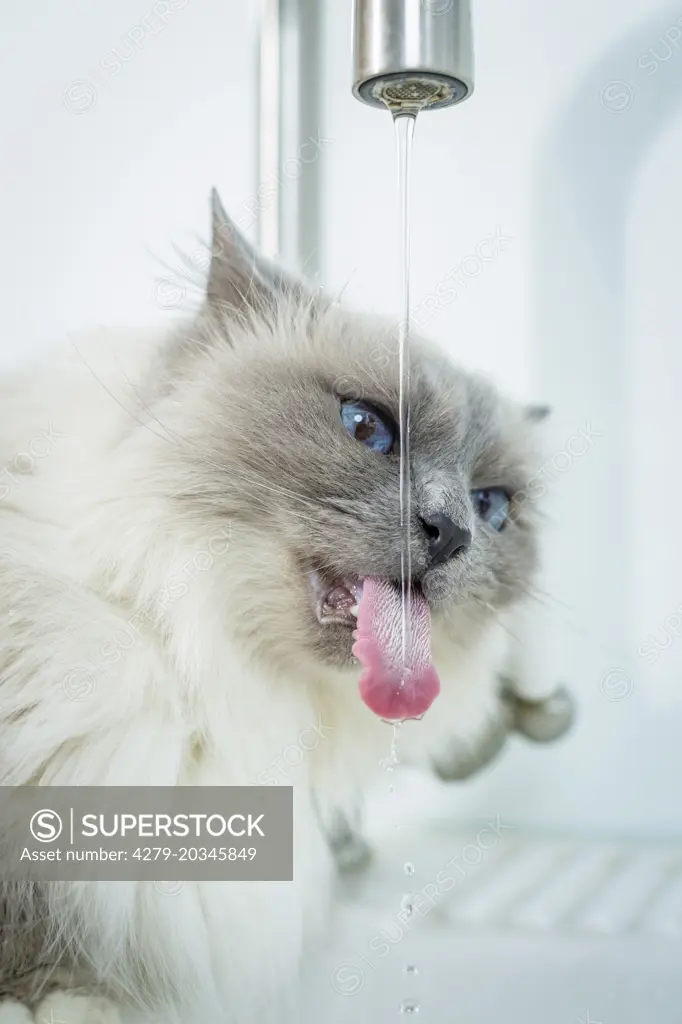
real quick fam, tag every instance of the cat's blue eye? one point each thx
(368, 425)
(492, 505)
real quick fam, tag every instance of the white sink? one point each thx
(535, 930)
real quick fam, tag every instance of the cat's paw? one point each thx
(70, 1008)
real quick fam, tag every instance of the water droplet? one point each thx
(409, 868)
(391, 787)
(386, 764)
(393, 754)
(409, 1006)
(411, 970)
(406, 904)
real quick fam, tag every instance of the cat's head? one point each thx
(293, 405)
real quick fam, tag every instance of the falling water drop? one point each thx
(406, 904)
(411, 970)
(409, 1006)
(409, 868)
(394, 742)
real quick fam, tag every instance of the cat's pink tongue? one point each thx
(387, 688)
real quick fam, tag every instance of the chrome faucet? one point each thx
(412, 55)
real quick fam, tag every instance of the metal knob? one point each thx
(544, 721)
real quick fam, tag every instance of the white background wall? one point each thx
(118, 119)
(571, 146)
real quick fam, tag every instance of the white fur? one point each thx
(181, 704)
(12, 1012)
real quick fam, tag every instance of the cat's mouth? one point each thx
(394, 649)
(336, 600)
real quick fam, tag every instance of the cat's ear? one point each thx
(535, 413)
(235, 277)
(239, 276)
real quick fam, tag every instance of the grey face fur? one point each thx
(275, 363)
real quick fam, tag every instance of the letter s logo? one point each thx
(46, 826)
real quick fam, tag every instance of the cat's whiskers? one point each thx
(314, 519)
(153, 415)
(99, 380)
(280, 491)
(172, 437)
(251, 479)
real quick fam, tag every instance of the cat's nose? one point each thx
(446, 539)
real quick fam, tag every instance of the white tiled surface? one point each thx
(538, 931)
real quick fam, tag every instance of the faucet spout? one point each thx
(412, 55)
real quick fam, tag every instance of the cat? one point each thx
(262, 433)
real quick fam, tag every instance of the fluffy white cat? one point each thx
(187, 521)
